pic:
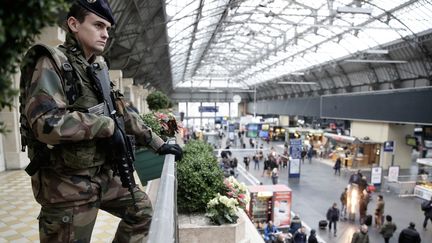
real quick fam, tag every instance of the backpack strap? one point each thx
(71, 88)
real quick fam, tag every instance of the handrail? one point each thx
(164, 225)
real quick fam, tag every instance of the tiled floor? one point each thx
(19, 210)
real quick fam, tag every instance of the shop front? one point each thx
(353, 151)
(423, 188)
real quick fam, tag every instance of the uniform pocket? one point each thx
(55, 225)
(79, 155)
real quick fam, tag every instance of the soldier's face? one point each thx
(92, 34)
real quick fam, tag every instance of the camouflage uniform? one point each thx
(77, 179)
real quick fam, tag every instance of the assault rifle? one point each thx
(123, 146)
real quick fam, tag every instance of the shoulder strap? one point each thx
(62, 65)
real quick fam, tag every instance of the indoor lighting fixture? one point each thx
(354, 10)
(297, 73)
(377, 51)
(374, 61)
(210, 90)
(243, 91)
(291, 82)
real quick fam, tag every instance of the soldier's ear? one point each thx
(73, 24)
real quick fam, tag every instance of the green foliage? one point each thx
(151, 121)
(199, 177)
(19, 23)
(157, 101)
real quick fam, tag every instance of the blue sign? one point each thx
(388, 146)
(295, 153)
(208, 109)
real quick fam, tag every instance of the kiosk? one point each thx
(270, 202)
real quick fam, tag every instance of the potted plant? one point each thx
(206, 201)
(164, 124)
(199, 177)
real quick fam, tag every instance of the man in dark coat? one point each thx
(409, 235)
(427, 213)
(333, 217)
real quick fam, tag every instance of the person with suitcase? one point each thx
(333, 216)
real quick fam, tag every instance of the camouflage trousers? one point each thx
(70, 203)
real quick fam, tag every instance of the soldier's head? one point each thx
(89, 21)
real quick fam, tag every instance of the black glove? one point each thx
(171, 149)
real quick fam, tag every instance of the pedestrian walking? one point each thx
(275, 175)
(333, 217)
(246, 161)
(427, 208)
(379, 211)
(300, 235)
(312, 237)
(361, 236)
(256, 162)
(344, 202)
(388, 229)
(409, 235)
(337, 166)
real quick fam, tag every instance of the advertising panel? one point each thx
(282, 209)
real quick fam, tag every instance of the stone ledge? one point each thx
(196, 228)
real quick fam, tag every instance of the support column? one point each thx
(284, 121)
(127, 90)
(144, 105)
(116, 77)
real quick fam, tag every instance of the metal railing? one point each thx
(404, 186)
(164, 225)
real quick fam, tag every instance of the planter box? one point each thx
(197, 229)
(148, 165)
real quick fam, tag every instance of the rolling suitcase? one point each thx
(368, 220)
(322, 224)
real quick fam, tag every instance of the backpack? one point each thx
(425, 205)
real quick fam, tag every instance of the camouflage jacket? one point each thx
(79, 137)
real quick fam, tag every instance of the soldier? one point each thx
(73, 173)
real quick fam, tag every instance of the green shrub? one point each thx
(151, 121)
(157, 101)
(20, 22)
(199, 178)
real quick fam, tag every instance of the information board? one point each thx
(376, 175)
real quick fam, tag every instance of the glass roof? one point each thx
(241, 43)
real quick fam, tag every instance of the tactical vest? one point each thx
(80, 95)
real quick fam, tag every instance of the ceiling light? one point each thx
(374, 61)
(301, 83)
(377, 51)
(210, 91)
(297, 73)
(353, 10)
